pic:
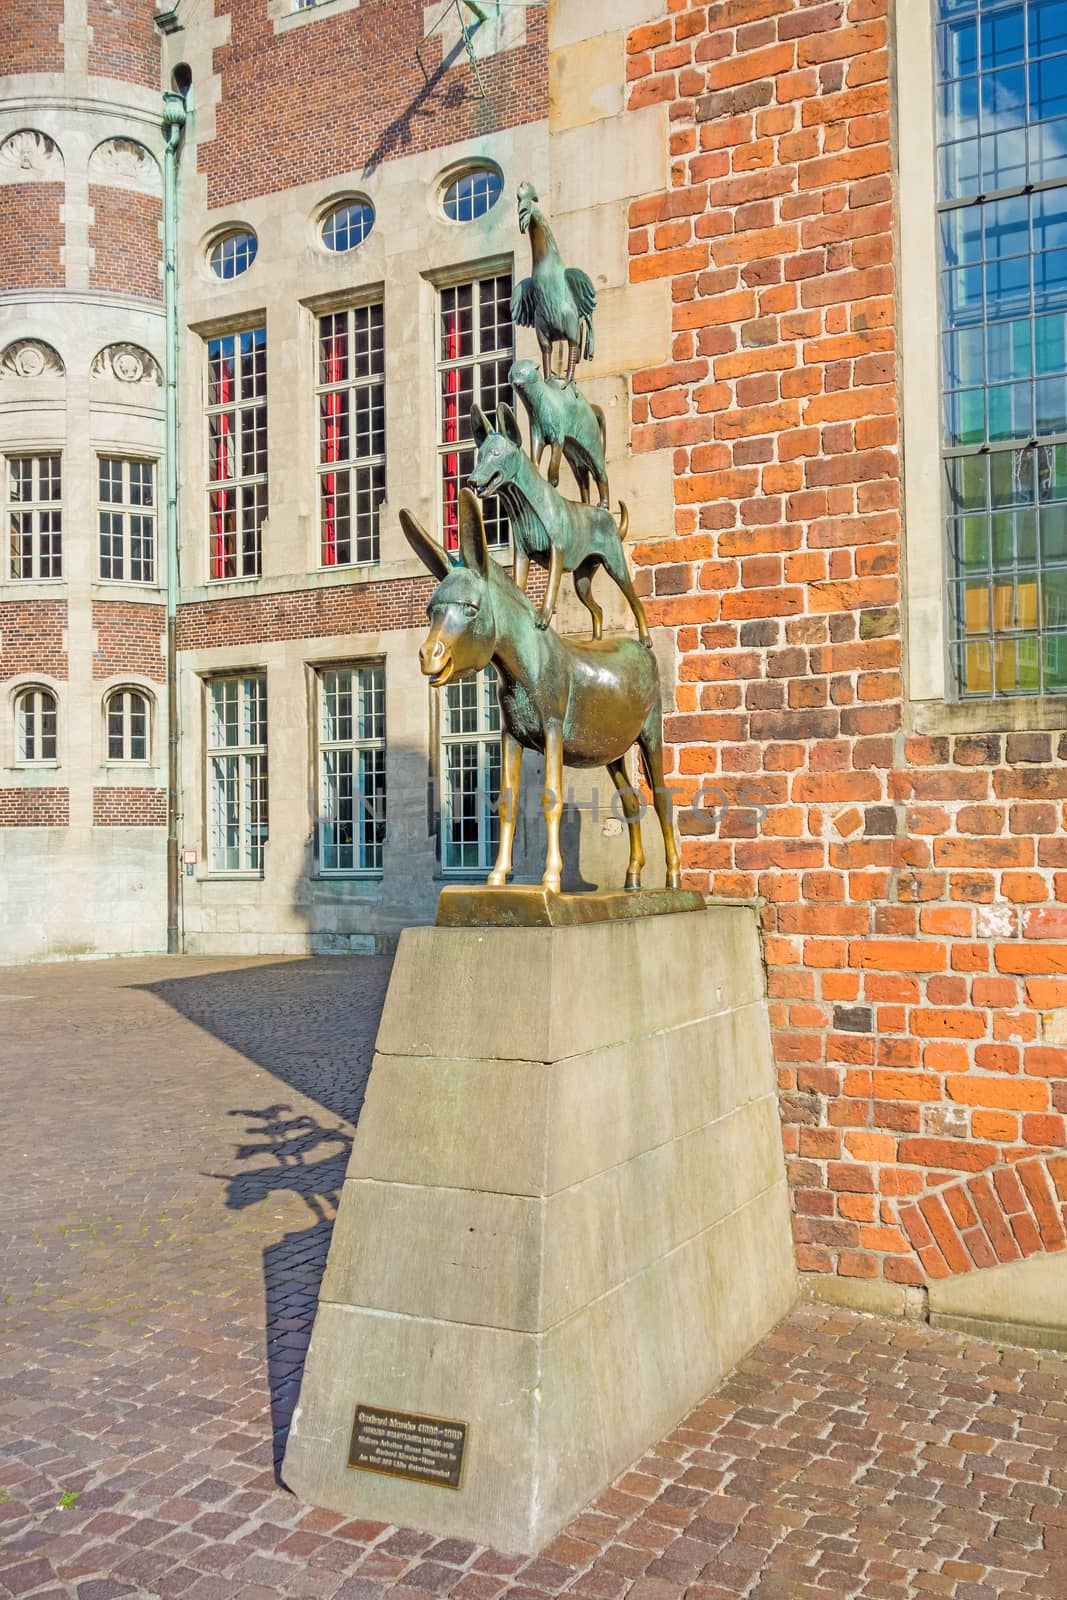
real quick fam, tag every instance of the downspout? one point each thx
(173, 123)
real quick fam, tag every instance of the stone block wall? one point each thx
(913, 883)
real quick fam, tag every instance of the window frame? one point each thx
(249, 762)
(483, 736)
(498, 530)
(373, 465)
(356, 744)
(35, 691)
(930, 706)
(126, 509)
(34, 508)
(247, 555)
(126, 691)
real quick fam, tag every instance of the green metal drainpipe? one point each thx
(173, 123)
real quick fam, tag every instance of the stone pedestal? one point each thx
(564, 1219)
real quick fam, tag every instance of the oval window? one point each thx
(233, 254)
(472, 194)
(347, 225)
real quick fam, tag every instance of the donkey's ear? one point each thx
(472, 545)
(428, 550)
(509, 425)
(480, 427)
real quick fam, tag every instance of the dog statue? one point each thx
(561, 417)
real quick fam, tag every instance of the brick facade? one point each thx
(125, 239)
(31, 637)
(123, 42)
(35, 808)
(31, 236)
(31, 36)
(129, 638)
(369, 57)
(304, 614)
(129, 807)
(913, 887)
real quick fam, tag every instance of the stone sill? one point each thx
(1026, 714)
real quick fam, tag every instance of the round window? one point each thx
(347, 225)
(233, 254)
(472, 194)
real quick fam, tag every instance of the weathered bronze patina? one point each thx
(562, 419)
(580, 704)
(556, 533)
(557, 302)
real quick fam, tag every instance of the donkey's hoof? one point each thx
(542, 621)
(551, 885)
(496, 880)
(647, 642)
(674, 880)
(633, 882)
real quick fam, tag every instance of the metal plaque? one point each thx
(402, 1444)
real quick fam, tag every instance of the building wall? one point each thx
(910, 859)
(81, 840)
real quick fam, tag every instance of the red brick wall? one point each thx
(124, 42)
(913, 887)
(34, 808)
(304, 614)
(130, 807)
(31, 36)
(347, 91)
(31, 236)
(125, 241)
(129, 638)
(31, 637)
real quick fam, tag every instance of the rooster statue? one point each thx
(557, 302)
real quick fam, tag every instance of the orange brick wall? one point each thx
(913, 888)
(31, 637)
(129, 807)
(34, 808)
(125, 241)
(304, 614)
(367, 60)
(31, 36)
(129, 638)
(124, 42)
(31, 236)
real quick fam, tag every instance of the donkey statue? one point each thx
(556, 533)
(581, 705)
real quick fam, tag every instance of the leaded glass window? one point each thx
(351, 399)
(352, 768)
(237, 773)
(476, 352)
(35, 516)
(470, 773)
(1002, 197)
(36, 717)
(237, 452)
(127, 519)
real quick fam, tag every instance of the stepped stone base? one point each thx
(564, 1219)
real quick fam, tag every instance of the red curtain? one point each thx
(331, 449)
(223, 500)
(451, 422)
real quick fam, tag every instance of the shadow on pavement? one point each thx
(312, 1025)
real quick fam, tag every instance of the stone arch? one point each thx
(125, 164)
(31, 358)
(30, 156)
(129, 363)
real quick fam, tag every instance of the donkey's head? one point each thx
(500, 455)
(462, 632)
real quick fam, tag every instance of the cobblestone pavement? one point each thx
(176, 1135)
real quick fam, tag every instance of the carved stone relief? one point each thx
(29, 156)
(128, 363)
(125, 164)
(31, 358)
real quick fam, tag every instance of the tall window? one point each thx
(237, 773)
(237, 452)
(352, 768)
(477, 349)
(1002, 191)
(35, 715)
(127, 725)
(127, 520)
(35, 515)
(470, 772)
(351, 434)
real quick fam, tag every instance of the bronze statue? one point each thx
(557, 302)
(561, 416)
(582, 705)
(556, 533)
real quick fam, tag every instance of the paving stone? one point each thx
(184, 1130)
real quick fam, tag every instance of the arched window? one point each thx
(347, 225)
(472, 194)
(233, 254)
(127, 725)
(35, 715)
